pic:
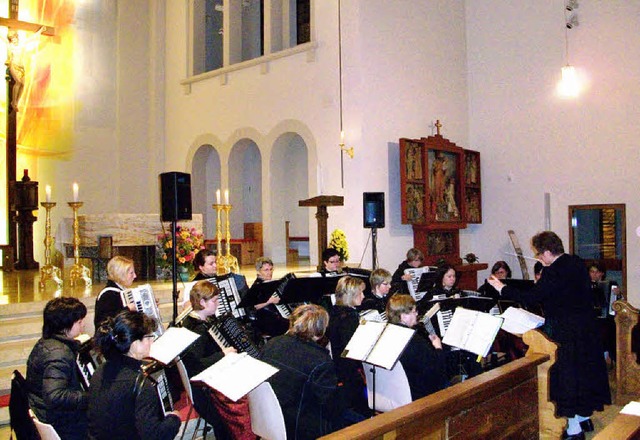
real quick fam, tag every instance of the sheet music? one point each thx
(472, 331)
(518, 321)
(378, 343)
(173, 342)
(416, 273)
(236, 374)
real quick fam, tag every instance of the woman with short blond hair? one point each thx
(306, 381)
(109, 303)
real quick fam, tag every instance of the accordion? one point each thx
(87, 362)
(154, 372)
(144, 300)
(228, 332)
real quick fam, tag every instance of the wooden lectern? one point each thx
(321, 202)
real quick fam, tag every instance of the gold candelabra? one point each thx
(49, 271)
(226, 263)
(78, 271)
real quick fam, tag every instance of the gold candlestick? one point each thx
(226, 263)
(78, 271)
(49, 271)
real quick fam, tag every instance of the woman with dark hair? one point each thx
(501, 271)
(579, 383)
(306, 381)
(342, 325)
(123, 401)
(55, 393)
(109, 303)
(423, 359)
(444, 285)
(205, 265)
(229, 419)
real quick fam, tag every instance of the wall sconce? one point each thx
(343, 149)
(349, 150)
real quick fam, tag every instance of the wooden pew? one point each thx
(627, 367)
(506, 402)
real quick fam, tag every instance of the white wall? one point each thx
(580, 151)
(403, 67)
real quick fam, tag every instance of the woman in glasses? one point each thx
(123, 401)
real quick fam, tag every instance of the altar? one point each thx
(103, 236)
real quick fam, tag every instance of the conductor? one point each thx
(578, 384)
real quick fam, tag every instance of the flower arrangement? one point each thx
(339, 243)
(188, 243)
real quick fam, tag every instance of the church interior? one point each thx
(266, 104)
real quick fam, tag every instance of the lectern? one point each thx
(322, 202)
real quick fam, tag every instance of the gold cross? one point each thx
(438, 127)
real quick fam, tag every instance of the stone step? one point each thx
(16, 352)
(5, 376)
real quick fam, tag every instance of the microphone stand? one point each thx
(174, 272)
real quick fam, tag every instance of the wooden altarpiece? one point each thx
(440, 194)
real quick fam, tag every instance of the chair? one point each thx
(21, 422)
(46, 431)
(186, 383)
(267, 421)
(392, 387)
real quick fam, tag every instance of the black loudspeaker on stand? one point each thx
(373, 218)
(175, 200)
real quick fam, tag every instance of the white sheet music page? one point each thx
(390, 346)
(236, 374)
(518, 321)
(173, 342)
(363, 340)
(472, 330)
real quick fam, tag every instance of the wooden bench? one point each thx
(501, 403)
(627, 340)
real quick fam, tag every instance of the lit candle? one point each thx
(226, 196)
(218, 196)
(75, 192)
(47, 190)
(342, 137)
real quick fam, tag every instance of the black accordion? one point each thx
(228, 332)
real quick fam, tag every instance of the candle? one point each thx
(342, 137)
(226, 196)
(47, 190)
(75, 192)
(218, 196)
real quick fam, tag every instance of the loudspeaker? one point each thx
(175, 196)
(373, 210)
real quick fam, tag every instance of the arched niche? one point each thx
(245, 185)
(289, 182)
(205, 179)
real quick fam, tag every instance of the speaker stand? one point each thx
(374, 248)
(174, 272)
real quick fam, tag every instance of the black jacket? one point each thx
(117, 411)
(397, 283)
(108, 303)
(578, 381)
(55, 394)
(305, 384)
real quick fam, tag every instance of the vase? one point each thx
(183, 273)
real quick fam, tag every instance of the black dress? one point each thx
(424, 365)
(579, 382)
(343, 322)
(305, 385)
(397, 283)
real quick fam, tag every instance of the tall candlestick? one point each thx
(342, 137)
(218, 196)
(75, 191)
(226, 196)
(47, 190)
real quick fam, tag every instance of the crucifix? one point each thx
(15, 82)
